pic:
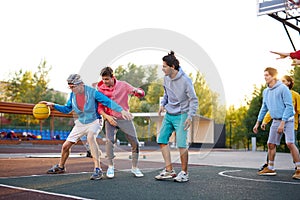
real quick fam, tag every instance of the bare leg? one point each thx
(271, 153)
(65, 152)
(166, 155)
(294, 152)
(91, 138)
(184, 157)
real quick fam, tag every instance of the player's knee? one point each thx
(135, 147)
(110, 141)
(271, 146)
(90, 137)
(66, 146)
(290, 145)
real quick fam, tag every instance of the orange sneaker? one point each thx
(267, 172)
(297, 174)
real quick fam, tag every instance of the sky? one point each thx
(65, 33)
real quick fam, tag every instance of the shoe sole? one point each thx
(165, 178)
(110, 177)
(138, 176)
(181, 181)
(298, 178)
(94, 179)
(268, 174)
(61, 172)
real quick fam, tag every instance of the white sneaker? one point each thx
(182, 177)
(137, 172)
(164, 174)
(110, 173)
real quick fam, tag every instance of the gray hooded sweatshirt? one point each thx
(179, 96)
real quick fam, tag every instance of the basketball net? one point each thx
(292, 8)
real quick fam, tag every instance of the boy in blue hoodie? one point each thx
(277, 99)
(83, 101)
(181, 103)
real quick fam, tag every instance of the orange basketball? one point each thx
(41, 111)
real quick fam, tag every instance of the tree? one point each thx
(235, 128)
(296, 76)
(29, 87)
(155, 91)
(251, 117)
(208, 100)
(134, 75)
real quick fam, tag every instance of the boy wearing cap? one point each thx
(83, 101)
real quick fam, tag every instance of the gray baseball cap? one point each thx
(74, 79)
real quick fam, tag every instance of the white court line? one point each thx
(250, 179)
(41, 175)
(43, 192)
(66, 174)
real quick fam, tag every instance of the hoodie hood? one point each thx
(178, 75)
(276, 85)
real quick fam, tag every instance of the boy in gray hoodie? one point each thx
(180, 102)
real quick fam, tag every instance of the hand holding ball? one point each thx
(41, 111)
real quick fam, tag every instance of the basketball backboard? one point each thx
(270, 6)
(273, 6)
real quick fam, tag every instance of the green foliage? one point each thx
(240, 122)
(234, 124)
(251, 117)
(155, 91)
(133, 74)
(208, 100)
(296, 77)
(28, 87)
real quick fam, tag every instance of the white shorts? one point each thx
(80, 130)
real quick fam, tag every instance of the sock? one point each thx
(297, 165)
(97, 169)
(271, 165)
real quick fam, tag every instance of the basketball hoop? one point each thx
(292, 8)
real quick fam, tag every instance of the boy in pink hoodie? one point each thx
(119, 92)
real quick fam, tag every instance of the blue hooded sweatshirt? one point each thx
(89, 114)
(278, 101)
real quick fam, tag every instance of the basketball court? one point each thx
(214, 174)
(217, 174)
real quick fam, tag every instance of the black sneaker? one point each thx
(88, 154)
(263, 166)
(56, 170)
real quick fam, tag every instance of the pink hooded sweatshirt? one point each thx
(119, 93)
(295, 55)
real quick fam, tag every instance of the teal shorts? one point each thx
(170, 124)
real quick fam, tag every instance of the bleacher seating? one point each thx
(45, 134)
